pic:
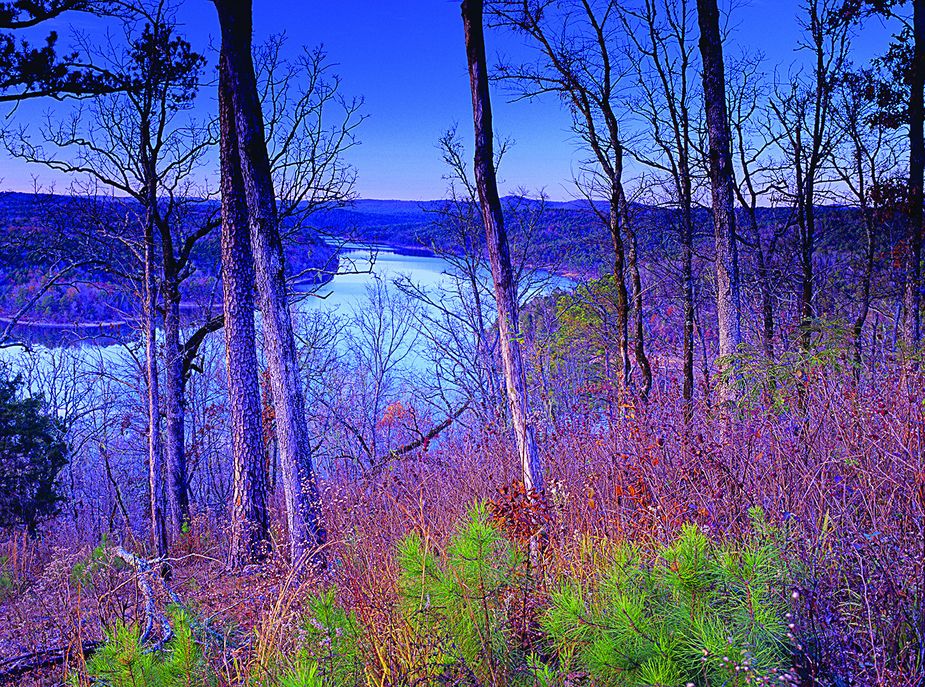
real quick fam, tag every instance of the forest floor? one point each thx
(837, 468)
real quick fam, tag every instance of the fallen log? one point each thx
(148, 579)
(43, 658)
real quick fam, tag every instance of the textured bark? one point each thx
(498, 249)
(687, 287)
(250, 518)
(806, 224)
(619, 276)
(639, 345)
(306, 529)
(174, 393)
(866, 281)
(156, 486)
(728, 308)
(912, 297)
(685, 192)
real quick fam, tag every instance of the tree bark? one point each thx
(866, 282)
(807, 226)
(498, 249)
(619, 276)
(303, 504)
(728, 307)
(174, 393)
(639, 342)
(250, 518)
(687, 287)
(685, 184)
(912, 298)
(156, 486)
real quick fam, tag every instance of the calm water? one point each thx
(345, 293)
(361, 266)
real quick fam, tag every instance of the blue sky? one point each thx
(406, 58)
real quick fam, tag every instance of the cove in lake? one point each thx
(360, 267)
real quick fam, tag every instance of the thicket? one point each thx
(481, 610)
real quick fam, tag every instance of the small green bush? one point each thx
(332, 653)
(7, 580)
(702, 613)
(462, 598)
(123, 662)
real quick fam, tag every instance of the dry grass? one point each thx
(839, 467)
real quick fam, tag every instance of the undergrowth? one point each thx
(694, 611)
(124, 661)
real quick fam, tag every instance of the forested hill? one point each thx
(90, 248)
(41, 233)
(567, 235)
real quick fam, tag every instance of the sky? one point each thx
(406, 58)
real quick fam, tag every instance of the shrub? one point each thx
(463, 597)
(7, 581)
(32, 453)
(700, 613)
(332, 655)
(123, 662)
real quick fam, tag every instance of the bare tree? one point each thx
(580, 62)
(753, 139)
(912, 299)
(803, 109)
(250, 518)
(306, 529)
(660, 33)
(722, 180)
(309, 124)
(865, 164)
(138, 143)
(498, 250)
(462, 341)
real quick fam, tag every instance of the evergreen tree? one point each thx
(32, 454)
(29, 71)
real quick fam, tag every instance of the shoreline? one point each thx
(41, 331)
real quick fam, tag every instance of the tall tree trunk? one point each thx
(807, 250)
(639, 341)
(805, 229)
(687, 287)
(619, 277)
(767, 300)
(687, 276)
(174, 397)
(250, 518)
(303, 502)
(728, 308)
(156, 486)
(866, 280)
(498, 250)
(913, 286)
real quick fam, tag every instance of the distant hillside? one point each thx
(39, 231)
(567, 234)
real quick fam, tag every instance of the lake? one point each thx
(346, 292)
(360, 266)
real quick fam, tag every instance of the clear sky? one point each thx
(407, 59)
